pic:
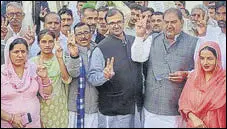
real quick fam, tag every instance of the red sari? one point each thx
(207, 100)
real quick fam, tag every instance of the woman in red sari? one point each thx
(203, 99)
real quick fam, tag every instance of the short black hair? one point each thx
(219, 4)
(18, 41)
(113, 12)
(144, 9)
(79, 25)
(65, 10)
(157, 13)
(83, 10)
(209, 49)
(135, 6)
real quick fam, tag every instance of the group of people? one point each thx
(114, 65)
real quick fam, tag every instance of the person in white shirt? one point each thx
(216, 34)
(66, 20)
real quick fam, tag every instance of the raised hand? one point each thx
(4, 29)
(72, 47)
(200, 26)
(109, 70)
(41, 70)
(30, 34)
(141, 26)
(59, 50)
(43, 12)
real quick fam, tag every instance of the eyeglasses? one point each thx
(17, 14)
(115, 23)
(86, 33)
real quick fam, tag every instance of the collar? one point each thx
(94, 35)
(176, 36)
(62, 36)
(14, 33)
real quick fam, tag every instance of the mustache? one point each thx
(156, 26)
(84, 39)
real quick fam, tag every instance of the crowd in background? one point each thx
(113, 64)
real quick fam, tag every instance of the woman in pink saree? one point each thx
(203, 100)
(21, 81)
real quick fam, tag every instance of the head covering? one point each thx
(8, 74)
(200, 96)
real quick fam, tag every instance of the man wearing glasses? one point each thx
(11, 25)
(14, 17)
(80, 47)
(119, 82)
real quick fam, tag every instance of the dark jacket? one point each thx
(119, 95)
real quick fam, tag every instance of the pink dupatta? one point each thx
(213, 92)
(8, 73)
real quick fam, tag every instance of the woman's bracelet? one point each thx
(48, 84)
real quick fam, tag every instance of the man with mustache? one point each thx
(119, 82)
(102, 28)
(52, 22)
(14, 17)
(66, 20)
(80, 47)
(11, 25)
(89, 15)
(209, 33)
(200, 25)
(170, 57)
(145, 11)
(220, 9)
(157, 22)
(135, 15)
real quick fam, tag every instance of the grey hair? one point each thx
(14, 4)
(201, 7)
(174, 10)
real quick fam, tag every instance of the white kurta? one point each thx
(161, 121)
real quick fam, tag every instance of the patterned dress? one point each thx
(54, 113)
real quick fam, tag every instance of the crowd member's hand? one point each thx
(30, 35)
(109, 70)
(178, 76)
(141, 27)
(4, 29)
(72, 47)
(201, 26)
(41, 70)
(17, 121)
(43, 12)
(59, 50)
(197, 122)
